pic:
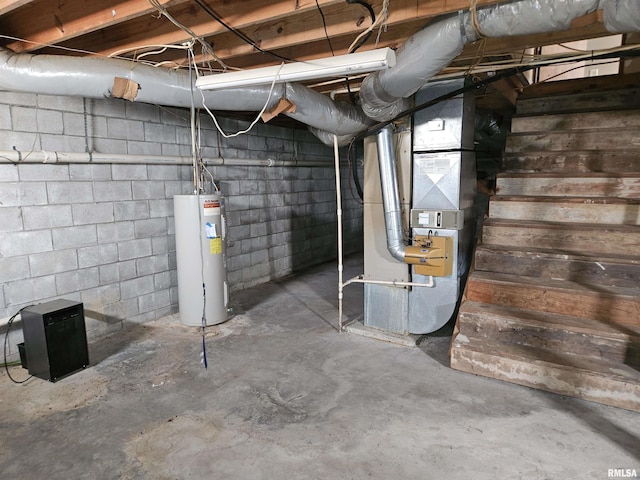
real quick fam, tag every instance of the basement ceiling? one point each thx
(241, 33)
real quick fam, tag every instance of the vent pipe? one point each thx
(390, 193)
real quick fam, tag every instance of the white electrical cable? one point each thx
(248, 129)
(194, 38)
(380, 20)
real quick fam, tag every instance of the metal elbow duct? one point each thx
(390, 194)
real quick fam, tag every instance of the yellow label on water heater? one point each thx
(215, 246)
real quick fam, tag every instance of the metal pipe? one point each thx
(336, 156)
(54, 157)
(393, 283)
(390, 194)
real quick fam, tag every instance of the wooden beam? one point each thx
(55, 22)
(7, 6)
(307, 46)
(405, 17)
(47, 23)
(273, 25)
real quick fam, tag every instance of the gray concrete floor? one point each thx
(287, 396)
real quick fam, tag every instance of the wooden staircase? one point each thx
(554, 299)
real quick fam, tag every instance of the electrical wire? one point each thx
(198, 188)
(368, 33)
(6, 342)
(379, 21)
(248, 129)
(237, 32)
(572, 69)
(205, 46)
(353, 167)
(324, 25)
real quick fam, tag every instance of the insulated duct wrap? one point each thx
(92, 77)
(325, 116)
(327, 137)
(526, 17)
(383, 94)
(622, 17)
(427, 52)
(420, 58)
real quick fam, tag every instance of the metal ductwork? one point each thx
(390, 194)
(92, 77)
(384, 94)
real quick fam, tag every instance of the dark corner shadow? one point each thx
(436, 344)
(587, 414)
(119, 334)
(632, 357)
(242, 301)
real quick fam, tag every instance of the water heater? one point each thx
(201, 257)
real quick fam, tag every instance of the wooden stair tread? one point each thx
(581, 85)
(615, 387)
(601, 185)
(597, 210)
(569, 176)
(632, 293)
(628, 229)
(627, 152)
(581, 102)
(599, 121)
(574, 161)
(569, 140)
(588, 268)
(553, 253)
(578, 363)
(618, 306)
(557, 321)
(567, 199)
(568, 238)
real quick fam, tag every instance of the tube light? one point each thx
(338, 66)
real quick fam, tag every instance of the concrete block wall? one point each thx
(104, 234)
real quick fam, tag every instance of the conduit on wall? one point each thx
(53, 157)
(383, 94)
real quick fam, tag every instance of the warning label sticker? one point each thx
(215, 246)
(211, 207)
(433, 165)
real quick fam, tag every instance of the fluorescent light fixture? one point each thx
(341, 65)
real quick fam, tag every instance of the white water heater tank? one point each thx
(201, 257)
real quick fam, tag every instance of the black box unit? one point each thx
(55, 339)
